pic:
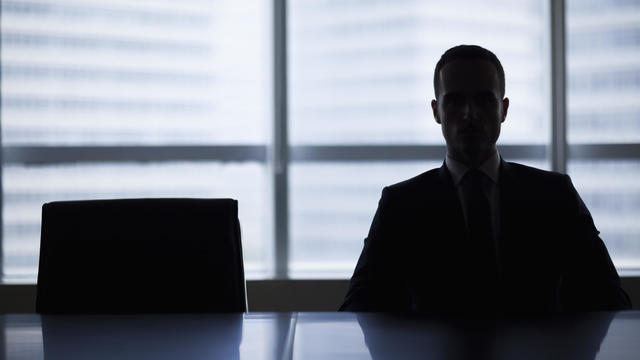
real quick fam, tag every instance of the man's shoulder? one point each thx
(529, 174)
(419, 182)
(434, 179)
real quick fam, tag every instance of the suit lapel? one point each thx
(510, 213)
(449, 203)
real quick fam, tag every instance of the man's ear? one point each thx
(434, 108)
(505, 107)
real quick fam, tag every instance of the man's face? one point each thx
(470, 109)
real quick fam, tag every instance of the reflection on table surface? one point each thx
(598, 335)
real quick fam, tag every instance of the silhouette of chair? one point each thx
(140, 256)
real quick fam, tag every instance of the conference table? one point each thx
(308, 335)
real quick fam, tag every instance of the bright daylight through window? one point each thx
(89, 88)
(120, 99)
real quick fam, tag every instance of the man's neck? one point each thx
(473, 161)
(491, 168)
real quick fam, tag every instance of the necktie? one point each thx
(480, 229)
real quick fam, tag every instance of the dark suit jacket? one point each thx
(418, 256)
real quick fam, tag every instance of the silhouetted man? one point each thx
(481, 234)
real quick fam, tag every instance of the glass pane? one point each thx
(612, 193)
(135, 72)
(362, 71)
(26, 188)
(603, 89)
(604, 71)
(331, 211)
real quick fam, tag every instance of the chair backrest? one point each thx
(141, 256)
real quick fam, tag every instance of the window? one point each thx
(361, 81)
(604, 119)
(109, 99)
(278, 103)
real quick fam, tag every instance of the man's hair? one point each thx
(467, 52)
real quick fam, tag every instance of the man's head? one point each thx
(470, 104)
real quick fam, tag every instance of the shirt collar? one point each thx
(491, 168)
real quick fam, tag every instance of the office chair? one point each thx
(140, 256)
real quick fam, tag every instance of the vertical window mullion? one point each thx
(280, 141)
(1, 169)
(558, 87)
